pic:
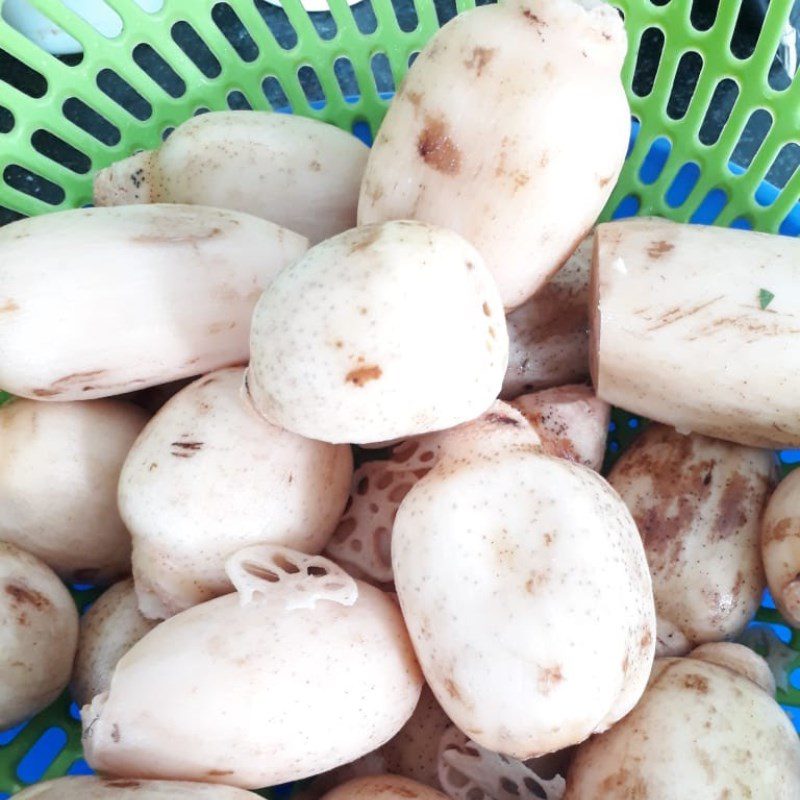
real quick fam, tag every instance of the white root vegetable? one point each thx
(362, 539)
(468, 771)
(382, 332)
(296, 172)
(571, 422)
(780, 547)
(230, 691)
(700, 730)
(107, 631)
(740, 659)
(697, 327)
(59, 465)
(209, 476)
(698, 504)
(38, 636)
(412, 752)
(549, 333)
(116, 299)
(482, 136)
(95, 788)
(524, 586)
(384, 787)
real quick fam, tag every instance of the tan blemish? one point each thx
(656, 249)
(480, 57)
(219, 327)
(437, 149)
(549, 678)
(369, 234)
(8, 306)
(452, 689)
(315, 166)
(696, 683)
(363, 375)
(732, 510)
(782, 529)
(27, 596)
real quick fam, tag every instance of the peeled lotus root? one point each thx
(362, 540)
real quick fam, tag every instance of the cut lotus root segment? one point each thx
(468, 771)
(363, 537)
(281, 574)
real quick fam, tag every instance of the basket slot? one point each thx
(711, 207)
(445, 11)
(195, 49)
(682, 184)
(752, 137)
(278, 23)
(276, 96)
(689, 68)
(412, 57)
(237, 101)
(364, 15)
(362, 130)
(6, 120)
(346, 78)
(156, 68)
(324, 24)
(231, 27)
(627, 207)
(405, 13)
(382, 74)
(703, 14)
(311, 87)
(124, 95)
(60, 151)
(718, 111)
(32, 184)
(41, 755)
(784, 64)
(655, 160)
(745, 32)
(784, 165)
(651, 48)
(18, 74)
(91, 122)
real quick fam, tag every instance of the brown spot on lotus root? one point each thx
(8, 306)
(437, 149)
(122, 783)
(501, 419)
(369, 234)
(731, 513)
(480, 57)
(315, 166)
(780, 530)
(363, 486)
(115, 734)
(646, 640)
(363, 375)
(696, 683)
(218, 772)
(452, 689)
(24, 595)
(549, 678)
(658, 249)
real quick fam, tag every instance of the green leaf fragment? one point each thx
(765, 297)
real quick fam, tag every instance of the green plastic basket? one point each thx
(716, 139)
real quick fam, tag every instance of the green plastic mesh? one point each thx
(723, 148)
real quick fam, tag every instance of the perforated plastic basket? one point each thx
(715, 139)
